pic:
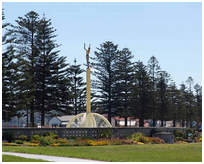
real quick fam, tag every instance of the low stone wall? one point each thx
(90, 132)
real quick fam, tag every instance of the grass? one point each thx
(122, 153)
(11, 158)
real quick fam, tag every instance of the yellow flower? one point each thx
(140, 143)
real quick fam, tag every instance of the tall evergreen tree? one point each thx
(78, 89)
(173, 103)
(8, 76)
(140, 94)
(25, 43)
(198, 90)
(105, 63)
(190, 101)
(154, 69)
(162, 87)
(184, 97)
(51, 70)
(124, 83)
(14, 95)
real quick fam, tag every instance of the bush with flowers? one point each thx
(18, 141)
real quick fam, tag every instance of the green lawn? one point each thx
(122, 153)
(11, 158)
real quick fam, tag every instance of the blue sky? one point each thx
(170, 31)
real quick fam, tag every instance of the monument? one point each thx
(88, 119)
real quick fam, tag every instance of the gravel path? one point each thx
(48, 158)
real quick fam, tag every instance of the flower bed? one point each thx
(53, 140)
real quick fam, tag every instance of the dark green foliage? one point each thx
(140, 93)
(153, 69)
(124, 83)
(52, 89)
(18, 141)
(179, 135)
(85, 137)
(45, 141)
(34, 137)
(50, 134)
(162, 88)
(23, 137)
(71, 137)
(135, 136)
(8, 135)
(105, 62)
(78, 89)
(12, 99)
(104, 134)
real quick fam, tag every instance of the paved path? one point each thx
(49, 158)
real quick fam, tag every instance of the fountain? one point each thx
(88, 119)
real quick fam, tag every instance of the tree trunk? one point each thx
(42, 117)
(125, 121)
(182, 123)
(154, 122)
(32, 114)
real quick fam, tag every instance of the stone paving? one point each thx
(49, 158)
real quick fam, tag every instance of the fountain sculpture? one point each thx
(88, 119)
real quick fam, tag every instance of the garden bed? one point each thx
(104, 139)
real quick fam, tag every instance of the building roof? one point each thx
(65, 118)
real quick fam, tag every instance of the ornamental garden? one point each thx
(104, 138)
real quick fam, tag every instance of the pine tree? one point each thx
(105, 63)
(173, 94)
(162, 88)
(51, 70)
(124, 83)
(184, 112)
(198, 90)
(14, 96)
(78, 89)
(140, 94)
(190, 101)
(154, 69)
(25, 43)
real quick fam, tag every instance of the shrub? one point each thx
(52, 135)
(135, 136)
(34, 137)
(156, 140)
(179, 135)
(71, 137)
(45, 141)
(23, 137)
(60, 141)
(9, 136)
(189, 130)
(19, 142)
(104, 134)
(143, 139)
(116, 141)
(86, 138)
(34, 141)
(129, 141)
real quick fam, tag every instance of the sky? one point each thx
(172, 32)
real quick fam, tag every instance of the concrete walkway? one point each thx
(49, 158)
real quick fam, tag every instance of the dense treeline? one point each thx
(35, 78)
